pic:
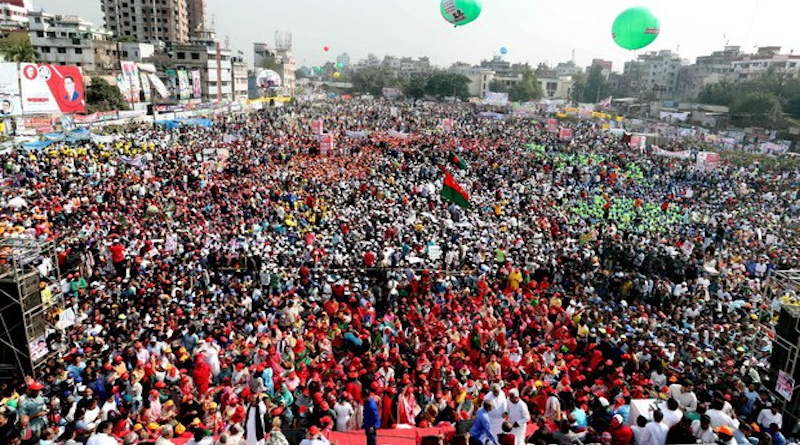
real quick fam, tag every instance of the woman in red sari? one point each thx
(407, 408)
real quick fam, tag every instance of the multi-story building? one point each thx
(749, 66)
(479, 78)
(196, 16)
(706, 70)
(344, 59)
(70, 40)
(656, 72)
(135, 51)
(239, 79)
(279, 60)
(556, 87)
(149, 20)
(261, 52)
(567, 69)
(214, 63)
(606, 66)
(15, 12)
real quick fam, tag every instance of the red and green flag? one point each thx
(457, 161)
(453, 192)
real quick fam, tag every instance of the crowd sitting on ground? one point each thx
(224, 296)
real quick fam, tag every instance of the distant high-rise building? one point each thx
(70, 40)
(656, 72)
(196, 15)
(344, 59)
(148, 20)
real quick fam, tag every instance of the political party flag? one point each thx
(457, 161)
(453, 192)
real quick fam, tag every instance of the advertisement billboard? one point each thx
(129, 87)
(51, 88)
(183, 85)
(10, 101)
(145, 86)
(172, 83)
(197, 87)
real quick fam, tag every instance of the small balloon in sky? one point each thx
(460, 12)
(503, 50)
(339, 65)
(325, 48)
(336, 75)
(635, 28)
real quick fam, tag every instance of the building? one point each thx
(15, 12)
(556, 87)
(344, 60)
(148, 20)
(196, 16)
(749, 66)
(567, 69)
(479, 78)
(716, 67)
(135, 51)
(656, 72)
(240, 92)
(214, 63)
(606, 66)
(279, 60)
(70, 40)
(261, 52)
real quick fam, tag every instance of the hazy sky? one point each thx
(533, 30)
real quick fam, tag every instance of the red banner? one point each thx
(317, 126)
(326, 144)
(566, 134)
(552, 125)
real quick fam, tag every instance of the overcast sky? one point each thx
(534, 31)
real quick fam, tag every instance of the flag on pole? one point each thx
(457, 161)
(453, 192)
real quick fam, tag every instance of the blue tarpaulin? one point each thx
(175, 123)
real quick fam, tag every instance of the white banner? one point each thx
(10, 101)
(159, 85)
(51, 88)
(707, 161)
(685, 154)
(497, 99)
(397, 134)
(672, 117)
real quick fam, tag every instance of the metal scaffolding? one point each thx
(24, 265)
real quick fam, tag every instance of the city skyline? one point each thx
(533, 31)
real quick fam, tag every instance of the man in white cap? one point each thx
(499, 408)
(518, 416)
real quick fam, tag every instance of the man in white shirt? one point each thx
(702, 430)
(719, 418)
(641, 436)
(499, 407)
(657, 429)
(103, 435)
(518, 416)
(344, 411)
(672, 414)
(768, 416)
(684, 394)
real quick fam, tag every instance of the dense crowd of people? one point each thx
(225, 284)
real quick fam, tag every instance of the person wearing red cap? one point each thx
(314, 437)
(621, 434)
(34, 405)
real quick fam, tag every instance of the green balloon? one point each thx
(339, 65)
(460, 12)
(635, 28)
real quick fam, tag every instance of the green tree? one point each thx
(373, 80)
(578, 86)
(415, 88)
(597, 86)
(448, 85)
(20, 52)
(793, 106)
(527, 89)
(757, 109)
(102, 96)
(498, 86)
(719, 93)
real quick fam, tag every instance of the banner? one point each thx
(145, 83)
(184, 88)
(397, 134)
(10, 101)
(685, 154)
(134, 162)
(785, 385)
(326, 144)
(566, 134)
(672, 117)
(172, 83)
(130, 77)
(447, 124)
(552, 125)
(197, 87)
(317, 127)
(496, 99)
(159, 86)
(707, 161)
(391, 93)
(52, 89)
(356, 134)
(638, 141)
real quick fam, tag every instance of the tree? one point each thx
(719, 93)
(497, 86)
(528, 89)
(373, 80)
(757, 109)
(20, 52)
(102, 96)
(793, 106)
(448, 85)
(416, 87)
(597, 87)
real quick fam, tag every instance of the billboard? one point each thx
(172, 83)
(496, 99)
(52, 88)
(184, 88)
(10, 101)
(129, 87)
(197, 87)
(145, 86)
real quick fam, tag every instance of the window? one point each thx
(181, 55)
(45, 49)
(62, 50)
(125, 54)
(39, 33)
(195, 56)
(78, 51)
(37, 20)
